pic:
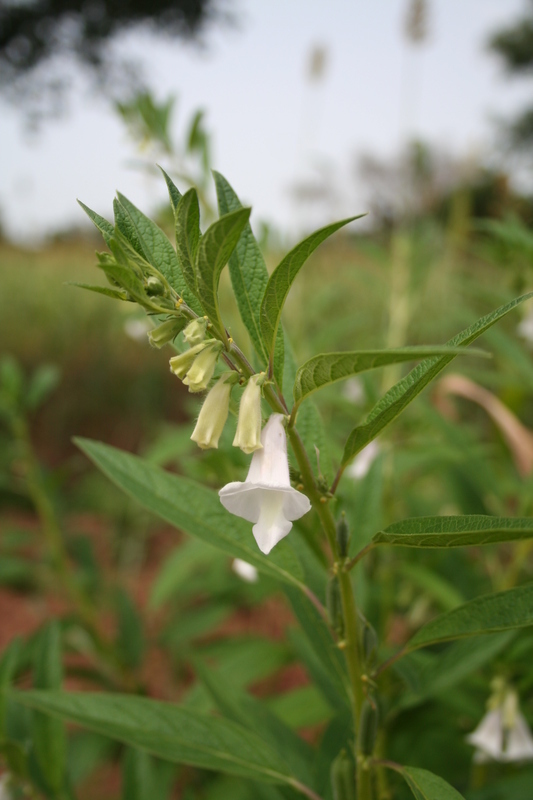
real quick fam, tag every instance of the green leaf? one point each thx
(216, 246)
(488, 614)
(9, 663)
(328, 368)
(188, 237)
(116, 294)
(451, 666)
(317, 648)
(282, 278)
(468, 531)
(173, 191)
(248, 271)
(166, 730)
(427, 786)
(404, 392)
(191, 507)
(241, 707)
(121, 271)
(182, 563)
(137, 775)
(105, 227)
(49, 736)
(149, 241)
(130, 636)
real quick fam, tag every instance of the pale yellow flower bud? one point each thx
(181, 364)
(194, 333)
(164, 333)
(203, 367)
(248, 434)
(214, 413)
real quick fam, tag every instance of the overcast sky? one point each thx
(269, 123)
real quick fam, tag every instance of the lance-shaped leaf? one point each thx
(282, 278)
(105, 227)
(188, 237)
(187, 240)
(121, 272)
(488, 614)
(192, 508)
(175, 734)
(216, 246)
(328, 368)
(116, 294)
(249, 278)
(404, 392)
(49, 736)
(246, 710)
(149, 241)
(427, 786)
(173, 191)
(472, 530)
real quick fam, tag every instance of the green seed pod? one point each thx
(343, 536)
(334, 605)
(343, 777)
(153, 286)
(368, 727)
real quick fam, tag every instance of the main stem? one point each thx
(351, 645)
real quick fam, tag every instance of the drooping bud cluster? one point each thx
(196, 366)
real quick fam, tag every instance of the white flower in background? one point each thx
(363, 461)
(137, 329)
(503, 734)
(5, 783)
(354, 391)
(244, 570)
(525, 328)
(266, 497)
(214, 413)
(248, 433)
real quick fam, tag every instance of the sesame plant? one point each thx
(287, 520)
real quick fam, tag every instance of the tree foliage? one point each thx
(35, 35)
(514, 45)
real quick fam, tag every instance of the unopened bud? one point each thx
(248, 433)
(153, 286)
(194, 333)
(368, 727)
(214, 413)
(334, 605)
(343, 777)
(165, 332)
(182, 363)
(343, 536)
(203, 367)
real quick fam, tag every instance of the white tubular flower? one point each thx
(503, 734)
(247, 572)
(181, 364)
(214, 413)
(248, 433)
(194, 333)
(203, 367)
(266, 497)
